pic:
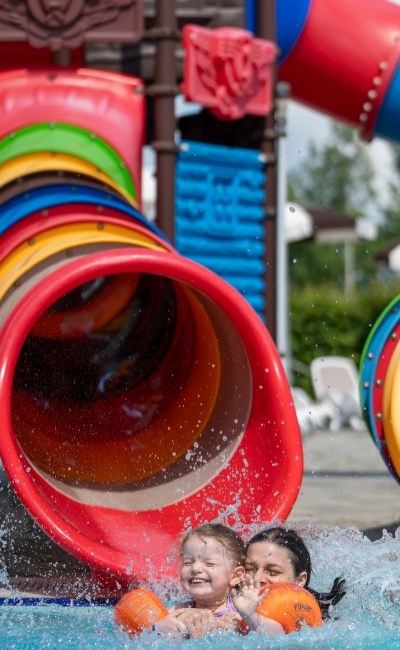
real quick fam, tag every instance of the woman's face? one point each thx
(268, 562)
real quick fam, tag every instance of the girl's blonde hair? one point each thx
(227, 537)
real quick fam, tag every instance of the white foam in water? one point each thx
(367, 618)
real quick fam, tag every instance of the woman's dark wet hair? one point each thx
(300, 556)
(293, 543)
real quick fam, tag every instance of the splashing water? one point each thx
(368, 617)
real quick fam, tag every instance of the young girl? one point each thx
(280, 555)
(212, 572)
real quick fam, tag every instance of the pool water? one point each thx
(368, 617)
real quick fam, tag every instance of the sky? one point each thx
(305, 125)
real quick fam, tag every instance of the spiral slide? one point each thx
(379, 385)
(342, 57)
(140, 393)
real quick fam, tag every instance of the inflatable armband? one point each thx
(290, 605)
(139, 609)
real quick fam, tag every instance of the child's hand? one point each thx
(171, 625)
(230, 621)
(197, 622)
(246, 599)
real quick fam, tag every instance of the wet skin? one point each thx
(207, 571)
(269, 563)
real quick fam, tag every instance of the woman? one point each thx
(280, 555)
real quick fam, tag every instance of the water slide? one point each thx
(342, 57)
(140, 393)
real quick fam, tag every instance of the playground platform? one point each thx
(346, 484)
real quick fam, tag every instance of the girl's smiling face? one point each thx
(207, 571)
(268, 562)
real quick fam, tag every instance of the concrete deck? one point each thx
(345, 484)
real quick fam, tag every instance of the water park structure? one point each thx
(140, 391)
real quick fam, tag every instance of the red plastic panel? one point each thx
(228, 71)
(344, 54)
(108, 104)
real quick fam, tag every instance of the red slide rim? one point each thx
(272, 429)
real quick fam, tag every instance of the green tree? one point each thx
(390, 229)
(323, 320)
(339, 176)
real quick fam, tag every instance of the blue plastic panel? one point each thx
(220, 216)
